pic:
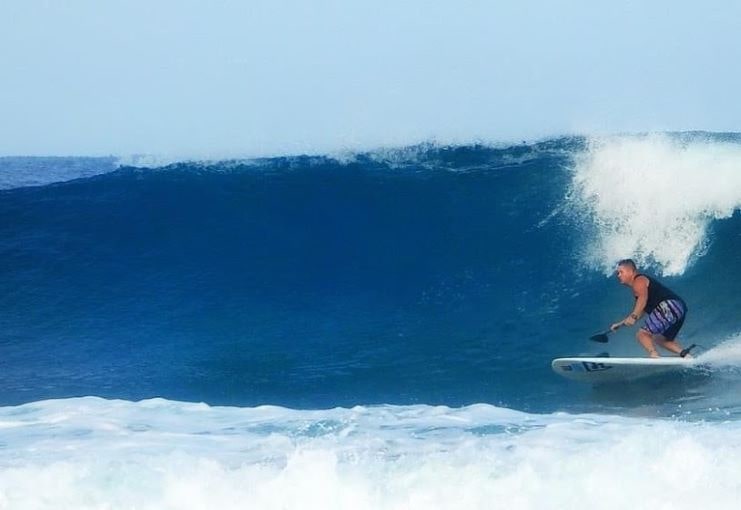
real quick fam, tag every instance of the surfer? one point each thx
(665, 310)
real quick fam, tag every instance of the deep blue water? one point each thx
(429, 275)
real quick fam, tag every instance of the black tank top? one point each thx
(658, 293)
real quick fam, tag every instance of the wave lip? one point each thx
(652, 197)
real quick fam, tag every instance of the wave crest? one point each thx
(652, 197)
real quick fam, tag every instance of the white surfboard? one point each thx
(606, 370)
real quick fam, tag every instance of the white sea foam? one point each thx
(727, 353)
(652, 197)
(91, 453)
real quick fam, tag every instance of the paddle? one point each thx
(602, 337)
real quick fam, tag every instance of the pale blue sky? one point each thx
(227, 78)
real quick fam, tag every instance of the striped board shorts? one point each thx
(666, 319)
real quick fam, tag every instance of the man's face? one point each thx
(624, 274)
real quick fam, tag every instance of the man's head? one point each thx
(626, 271)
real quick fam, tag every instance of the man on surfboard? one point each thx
(665, 310)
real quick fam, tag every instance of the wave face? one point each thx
(425, 275)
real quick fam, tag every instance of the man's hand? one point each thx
(630, 320)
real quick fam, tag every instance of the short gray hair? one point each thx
(628, 263)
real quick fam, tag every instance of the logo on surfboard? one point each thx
(586, 366)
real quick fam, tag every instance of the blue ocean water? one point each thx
(376, 320)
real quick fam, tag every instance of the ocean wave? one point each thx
(93, 453)
(438, 275)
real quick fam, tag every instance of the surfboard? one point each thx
(606, 370)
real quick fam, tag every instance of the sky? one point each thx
(226, 78)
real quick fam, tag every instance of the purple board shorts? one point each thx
(666, 319)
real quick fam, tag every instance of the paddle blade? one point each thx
(601, 338)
